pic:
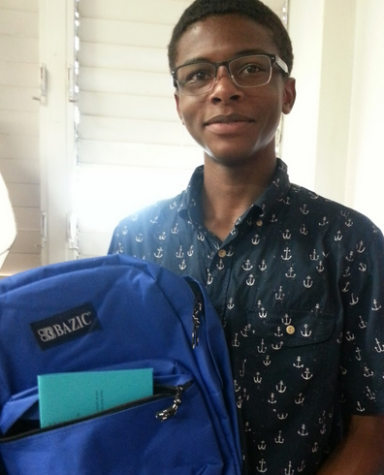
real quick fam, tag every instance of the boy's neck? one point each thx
(229, 191)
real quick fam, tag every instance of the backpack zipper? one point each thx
(162, 392)
(196, 319)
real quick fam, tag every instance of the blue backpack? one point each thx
(114, 313)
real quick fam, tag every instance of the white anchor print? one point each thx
(279, 439)
(375, 307)
(349, 336)
(190, 251)
(354, 300)
(345, 288)
(280, 295)
(308, 282)
(289, 471)
(349, 223)
(180, 253)
(302, 467)
(298, 363)
(300, 399)
(347, 272)
(183, 265)
(272, 399)
(209, 278)
(306, 333)
(262, 466)
(262, 446)
(287, 234)
(350, 257)
(324, 221)
(290, 273)
(379, 347)
(307, 375)
(230, 304)
(263, 266)
(282, 416)
(175, 229)
(236, 342)
(304, 230)
(370, 394)
(159, 254)
(262, 348)
(246, 330)
(320, 267)
(358, 354)
(257, 379)
(287, 254)
(338, 236)
(256, 240)
(281, 387)
(367, 372)
(267, 361)
(303, 431)
(360, 248)
(200, 236)
(163, 236)
(242, 370)
(362, 324)
(314, 256)
(304, 209)
(250, 280)
(263, 313)
(139, 238)
(277, 346)
(286, 320)
(247, 266)
(220, 265)
(359, 407)
(363, 267)
(279, 333)
(315, 447)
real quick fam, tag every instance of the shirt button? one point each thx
(290, 329)
(222, 253)
(259, 222)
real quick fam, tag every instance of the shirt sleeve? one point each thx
(362, 355)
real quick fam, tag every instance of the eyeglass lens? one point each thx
(246, 71)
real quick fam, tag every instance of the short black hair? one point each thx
(253, 9)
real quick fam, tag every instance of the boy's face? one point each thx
(232, 124)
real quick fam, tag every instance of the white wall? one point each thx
(366, 154)
(331, 140)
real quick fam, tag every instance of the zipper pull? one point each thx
(171, 411)
(196, 323)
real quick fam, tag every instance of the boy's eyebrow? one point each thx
(238, 53)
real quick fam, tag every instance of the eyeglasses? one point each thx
(251, 70)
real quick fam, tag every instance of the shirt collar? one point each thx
(267, 204)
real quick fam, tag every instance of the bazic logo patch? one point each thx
(66, 326)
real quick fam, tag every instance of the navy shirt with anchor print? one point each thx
(299, 286)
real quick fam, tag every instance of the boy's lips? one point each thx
(228, 124)
(227, 119)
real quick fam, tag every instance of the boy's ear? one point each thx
(289, 95)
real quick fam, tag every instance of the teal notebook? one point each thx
(67, 396)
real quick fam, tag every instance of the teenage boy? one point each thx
(297, 279)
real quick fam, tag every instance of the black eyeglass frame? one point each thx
(274, 58)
